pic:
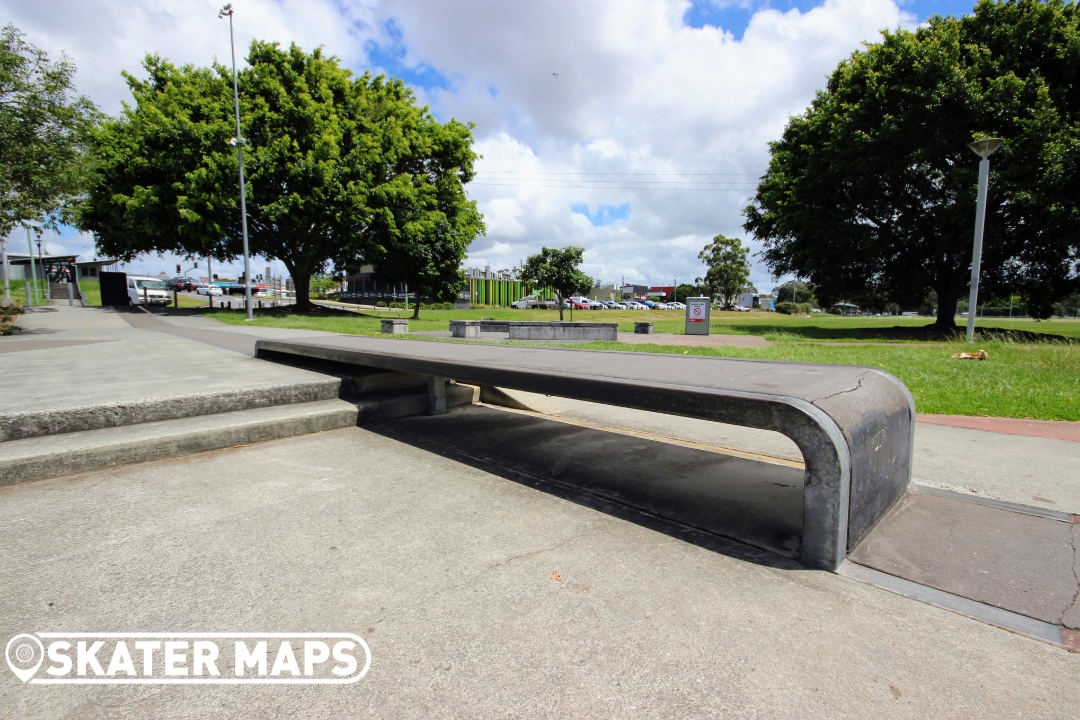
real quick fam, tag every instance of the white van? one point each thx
(147, 290)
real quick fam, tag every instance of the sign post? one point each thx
(698, 315)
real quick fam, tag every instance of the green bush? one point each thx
(381, 303)
(786, 308)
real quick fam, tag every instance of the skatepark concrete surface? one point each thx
(447, 570)
(577, 561)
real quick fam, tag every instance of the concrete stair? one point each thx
(42, 444)
(74, 452)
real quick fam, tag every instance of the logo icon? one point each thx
(24, 655)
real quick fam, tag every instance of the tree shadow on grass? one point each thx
(910, 333)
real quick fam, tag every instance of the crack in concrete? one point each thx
(948, 538)
(858, 385)
(483, 572)
(1076, 578)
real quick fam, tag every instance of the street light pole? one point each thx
(984, 149)
(239, 142)
(3, 258)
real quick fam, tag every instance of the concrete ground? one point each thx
(86, 356)
(447, 571)
(488, 583)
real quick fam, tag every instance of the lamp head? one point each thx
(985, 148)
(225, 11)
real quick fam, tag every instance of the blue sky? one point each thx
(734, 15)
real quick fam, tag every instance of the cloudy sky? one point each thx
(633, 128)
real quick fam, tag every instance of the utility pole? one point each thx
(33, 272)
(3, 258)
(239, 141)
(984, 149)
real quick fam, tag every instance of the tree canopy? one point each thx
(871, 191)
(557, 270)
(728, 269)
(44, 129)
(339, 169)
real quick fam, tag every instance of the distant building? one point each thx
(662, 292)
(475, 273)
(606, 292)
(635, 292)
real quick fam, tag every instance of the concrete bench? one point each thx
(393, 326)
(853, 425)
(643, 328)
(585, 331)
(465, 328)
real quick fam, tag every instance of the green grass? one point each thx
(1020, 380)
(92, 290)
(1017, 381)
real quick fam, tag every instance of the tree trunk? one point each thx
(302, 285)
(416, 310)
(558, 299)
(946, 309)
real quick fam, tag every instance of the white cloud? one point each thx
(636, 92)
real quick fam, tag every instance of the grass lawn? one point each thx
(1038, 380)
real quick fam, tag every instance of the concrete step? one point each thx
(81, 418)
(47, 456)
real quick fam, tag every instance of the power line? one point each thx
(646, 182)
(611, 187)
(539, 172)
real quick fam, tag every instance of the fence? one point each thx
(499, 293)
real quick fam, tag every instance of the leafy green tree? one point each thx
(686, 290)
(795, 291)
(728, 269)
(557, 271)
(871, 192)
(341, 170)
(44, 130)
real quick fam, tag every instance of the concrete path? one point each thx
(479, 597)
(89, 356)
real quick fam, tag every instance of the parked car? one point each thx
(180, 283)
(204, 289)
(677, 305)
(147, 291)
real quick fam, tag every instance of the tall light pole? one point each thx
(984, 149)
(239, 142)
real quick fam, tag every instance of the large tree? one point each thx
(727, 269)
(871, 191)
(44, 129)
(339, 170)
(557, 270)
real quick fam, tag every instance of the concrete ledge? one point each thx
(586, 331)
(465, 328)
(19, 425)
(57, 455)
(495, 326)
(395, 326)
(853, 425)
(643, 328)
